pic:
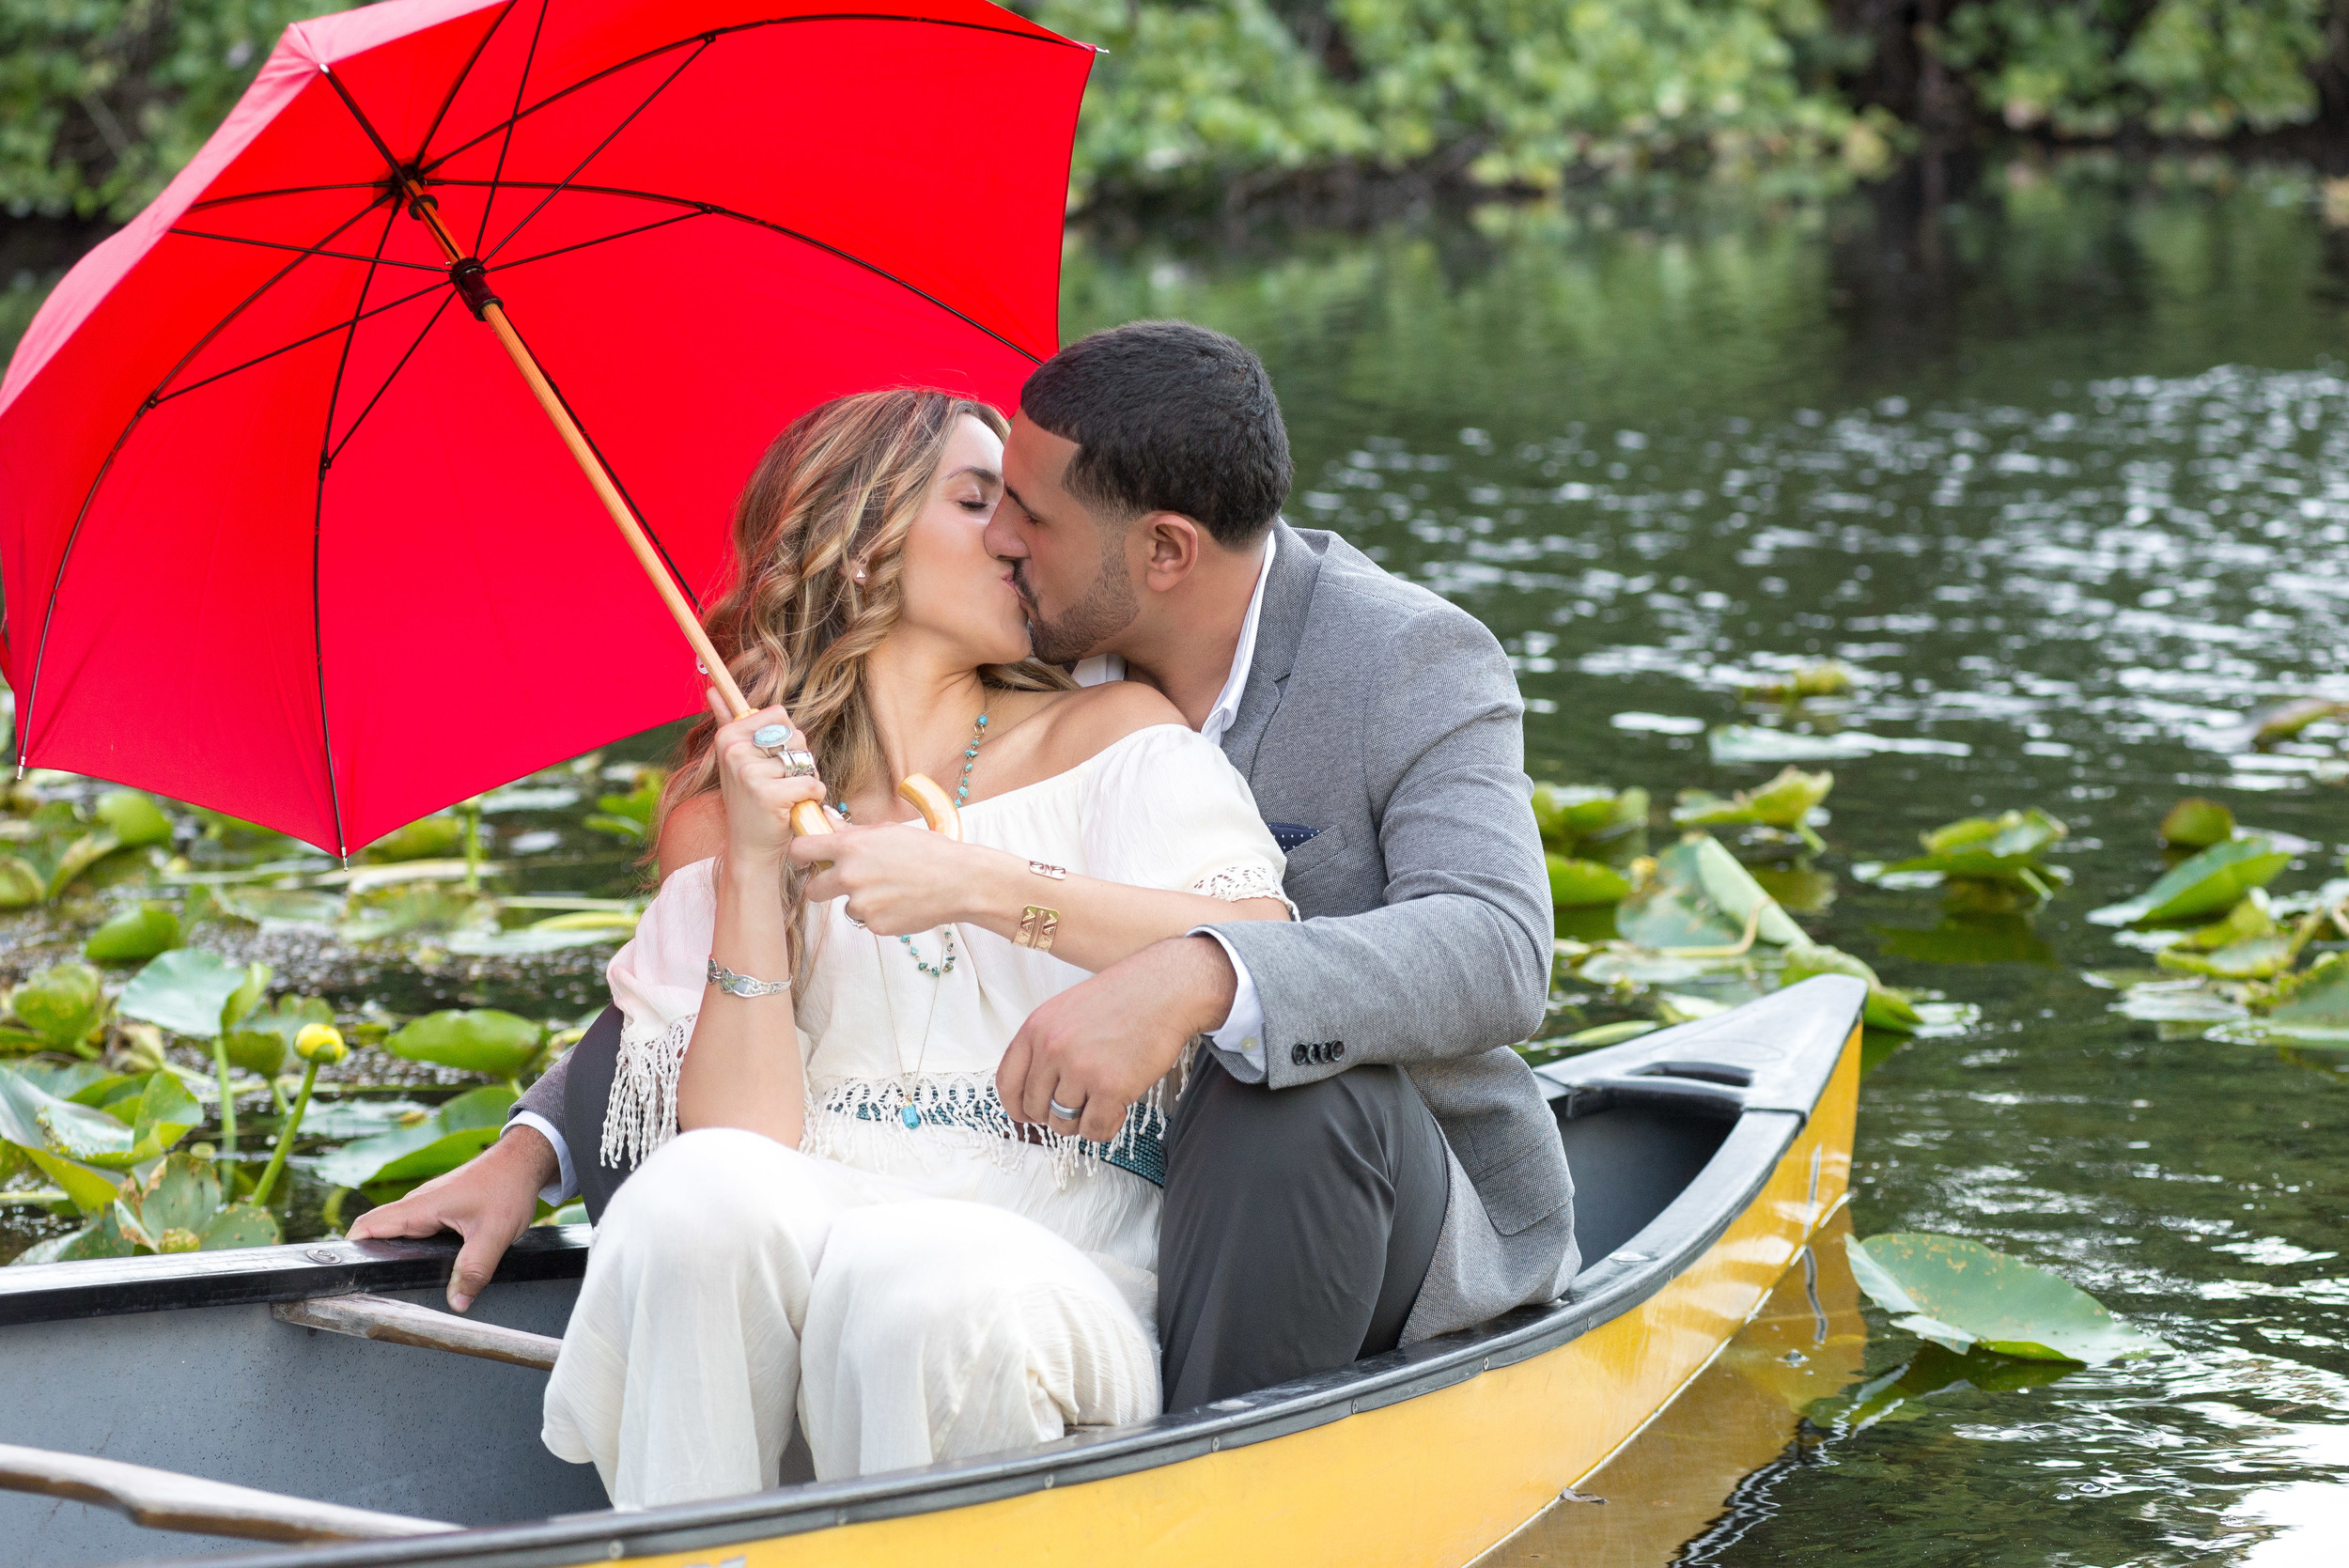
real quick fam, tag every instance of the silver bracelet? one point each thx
(742, 984)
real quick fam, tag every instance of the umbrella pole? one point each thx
(473, 287)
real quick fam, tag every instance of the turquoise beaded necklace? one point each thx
(945, 965)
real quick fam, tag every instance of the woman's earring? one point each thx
(859, 574)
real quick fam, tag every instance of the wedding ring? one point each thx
(796, 765)
(1064, 1112)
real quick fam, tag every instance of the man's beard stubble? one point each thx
(1108, 608)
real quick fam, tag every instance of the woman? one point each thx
(835, 1211)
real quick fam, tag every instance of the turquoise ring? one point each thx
(771, 737)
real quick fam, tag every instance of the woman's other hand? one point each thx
(758, 790)
(898, 880)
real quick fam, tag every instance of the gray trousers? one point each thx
(1298, 1225)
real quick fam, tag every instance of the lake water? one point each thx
(2063, 474)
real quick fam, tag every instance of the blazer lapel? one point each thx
(1288, 600)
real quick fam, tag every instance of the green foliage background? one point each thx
(101, 100)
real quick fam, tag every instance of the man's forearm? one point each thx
(526, 1151)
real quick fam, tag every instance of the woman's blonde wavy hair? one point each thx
(837, 489)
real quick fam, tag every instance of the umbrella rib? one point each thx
(431, 322)
(65, 557)
(318, 531)
(299, 342)
(609, 138)
(712, 35)
(713, 209)
(521, 86)
(611, 473)
(210, 202)
(600, 240)
(459, 86)
(305, 250)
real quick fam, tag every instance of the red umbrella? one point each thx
(296, 470)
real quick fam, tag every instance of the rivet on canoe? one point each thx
(616, 1550)
(321, 1254)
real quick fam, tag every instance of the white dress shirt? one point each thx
(1242, 1033)
(1241, 1036)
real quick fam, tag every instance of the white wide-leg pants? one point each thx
(733, 1280)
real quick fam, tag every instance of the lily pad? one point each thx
(178, 1208)
(442, 1141)
(2256, 958)
(133, 817)
(2195, 823)
(1960, 1294)
(1784, 802)
(2313, 1012)
(1576, 884)
(195, 993)
(62, 1003)
(483, 1040)
(2009, 847)
(270, 907)
(629, 816)
(2214, 879)
(137, 933)
(101, 1238)
(1886, 1008)
(425, 839)
(1700, 896)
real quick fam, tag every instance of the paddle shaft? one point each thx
(806, 818)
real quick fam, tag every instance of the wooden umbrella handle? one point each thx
(921, 792)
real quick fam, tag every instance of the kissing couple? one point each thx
(1186, 1072)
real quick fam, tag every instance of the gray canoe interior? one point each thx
(231, 1395)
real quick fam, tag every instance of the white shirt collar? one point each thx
(1108, 666)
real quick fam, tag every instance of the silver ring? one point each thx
(1064, 1112)
(796, 765)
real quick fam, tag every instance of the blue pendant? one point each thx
(911, 1117)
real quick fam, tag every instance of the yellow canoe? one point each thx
(1705, 1160)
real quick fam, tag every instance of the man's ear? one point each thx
(1170, 549)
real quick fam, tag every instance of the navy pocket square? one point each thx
(1288, 835)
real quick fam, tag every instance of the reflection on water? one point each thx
(1707, 1465)
(2068, 488)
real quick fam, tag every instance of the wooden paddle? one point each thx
(165, 1499)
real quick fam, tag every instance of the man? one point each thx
(1358, 1159)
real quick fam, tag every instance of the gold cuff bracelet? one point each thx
(1038, 927)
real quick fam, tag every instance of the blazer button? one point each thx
(1337, 1050)
(1297, 1053)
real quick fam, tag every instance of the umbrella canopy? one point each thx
(283, 531)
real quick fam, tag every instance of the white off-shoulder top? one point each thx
(1161, 808)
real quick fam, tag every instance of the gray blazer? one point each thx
(1387, 720)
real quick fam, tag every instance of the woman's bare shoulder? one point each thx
(1092, 718)
(694, 830)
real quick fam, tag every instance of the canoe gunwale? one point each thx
(1755, 1143)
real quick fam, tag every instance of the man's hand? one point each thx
(489, 1201)
(1099, 1045)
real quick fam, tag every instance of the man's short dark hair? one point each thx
(1168, 416)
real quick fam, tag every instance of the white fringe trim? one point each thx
(640, 1114)
(965, 1102)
